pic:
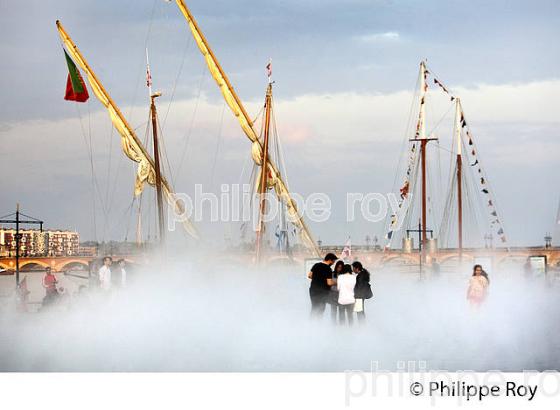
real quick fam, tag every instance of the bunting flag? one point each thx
(436, 81)
(495, 223)
(404, 189)
(444, 88)
(269, 69)
(75, 87)
(148, 77)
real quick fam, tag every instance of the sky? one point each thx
(345, 75)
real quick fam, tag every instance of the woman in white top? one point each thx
(345, 285)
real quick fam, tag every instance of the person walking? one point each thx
(478, 287)
(362, 290)
(122, 268)
(321, 282)
(345, 284)
(105, 274)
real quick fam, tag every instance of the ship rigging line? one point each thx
(188, 133)
(218, 143)
(164, 156)
(108, 184)
(140, 74)
(94, 184)
(185, 50)
(403, 152)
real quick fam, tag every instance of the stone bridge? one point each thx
(57, 263)
(500, 257)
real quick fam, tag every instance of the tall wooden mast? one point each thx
(157, 168)
(421, 137)
(457, 132)
(131, 144)
(264, 173)
(234, 103)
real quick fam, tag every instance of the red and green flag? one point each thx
(75, 87)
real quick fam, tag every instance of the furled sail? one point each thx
(246, 124)
(131, 145)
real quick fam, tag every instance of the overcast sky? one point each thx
(345, 74)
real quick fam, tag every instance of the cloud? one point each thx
(378, 37)
(349, 141)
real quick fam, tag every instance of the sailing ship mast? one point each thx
(153, 114)
(131, 144)
(421, 137)
(246, 124)
(263, 184)
(459, 167)
(459, 176)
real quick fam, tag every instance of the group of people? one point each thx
(106, 277)
(105, 280)
(345, 289)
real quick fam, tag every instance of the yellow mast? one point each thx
(263, 185)
(238, 110)
(131, 144)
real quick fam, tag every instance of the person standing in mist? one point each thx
(345, 284)
(478, 287)
(105, 274)
(362, 290)
(333, 295)
(49, 283)
(321, 282)
(122, 266)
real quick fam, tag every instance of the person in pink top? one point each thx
(478, 287)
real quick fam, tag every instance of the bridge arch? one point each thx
(76, 263)
(398, 259)
(29, 265)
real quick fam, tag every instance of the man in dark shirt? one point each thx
(321, 282)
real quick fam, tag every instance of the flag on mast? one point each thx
(148, 76)
(75, 87)
(148, 73)
(269, 69)
(347, 251)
